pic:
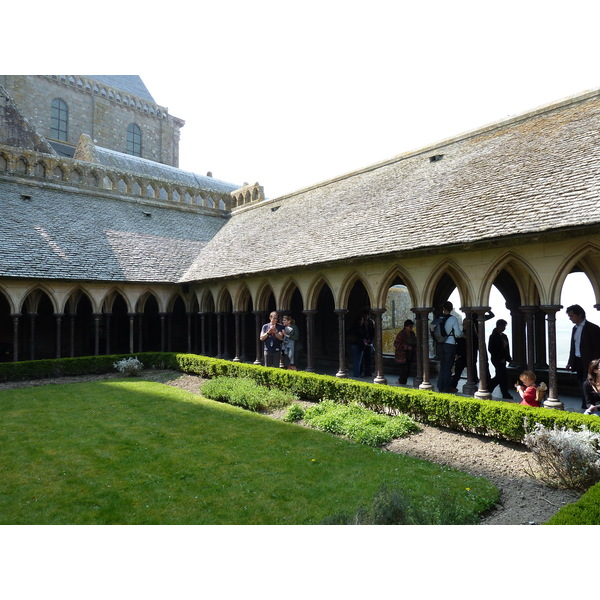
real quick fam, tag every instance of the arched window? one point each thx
(134, 140)
(59, 120)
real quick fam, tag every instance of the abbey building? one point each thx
(106, 246)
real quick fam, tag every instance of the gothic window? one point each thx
(59, 119)
(134, 140)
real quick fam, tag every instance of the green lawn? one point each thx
(135, 452)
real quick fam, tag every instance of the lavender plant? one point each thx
(130, 367)
(564, 458)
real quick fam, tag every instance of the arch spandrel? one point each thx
(460, 279)
(32, 296)
(287, 291)
(314, 290)
(529, 284)
(74, 294)
(587, 258)
(397, 272)
(348, 284)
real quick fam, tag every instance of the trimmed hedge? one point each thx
(586, 511)
(486, 417)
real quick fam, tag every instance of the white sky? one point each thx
(291, 94)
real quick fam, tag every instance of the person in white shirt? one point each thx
(447, 350)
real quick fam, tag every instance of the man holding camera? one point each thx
(271, 335)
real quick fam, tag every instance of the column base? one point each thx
(380, 379)
(482, 395)
(469, 389)
(553, 403)
(341, 374)
(425, 385)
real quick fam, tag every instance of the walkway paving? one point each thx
(572, 403)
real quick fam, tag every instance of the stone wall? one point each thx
(102, 112)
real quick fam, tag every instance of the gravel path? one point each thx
(523, 500)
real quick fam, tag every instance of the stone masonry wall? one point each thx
(101, 112)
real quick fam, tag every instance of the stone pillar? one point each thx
(219, 335)
(97, 317)
(540, 340)
(482, 393)
(72, 334)
(202, 333)
(518, 343)
(423, 347)
(107, 329)
(58, 317)
(189, 332)
(529, 311)
(163, 318)
(15, 319)
(471, 386)
(238, 335)
(131, 316)
(310, 333)
(341, 313)
(32, 317)
(377, 313)
(552, 401)
(258, 318)
(141, 332)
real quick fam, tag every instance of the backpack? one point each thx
(439, 331)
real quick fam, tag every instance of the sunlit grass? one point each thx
(137, 452)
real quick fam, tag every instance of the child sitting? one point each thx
(527, 388)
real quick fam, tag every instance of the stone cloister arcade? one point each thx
(222, 318)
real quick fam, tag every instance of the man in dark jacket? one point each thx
(500, 354)
(585, 345)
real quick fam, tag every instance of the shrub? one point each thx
(586, 511)
(359, 424)
(245, 393)
(130, 367)
(391, 505)
(294, 413)
(565, 458)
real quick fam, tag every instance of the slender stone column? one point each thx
(203, 333)
(72, 334)
(423, 348)
(219, 335)
(310, 333)
(341, 313)
(189, 332)
(418, 379)
(471, 386)
(15, 318)
(552, 401)
(131, 316)
(141, 332)
(107, 329)
(529, 311)
(97, 317)
(58, 317)
(32, 317)
(258, 318)
(379, 376)
(163, 319)
(238, 335)
(482, 393)
(540, 340)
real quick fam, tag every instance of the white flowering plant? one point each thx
(565, 458)
(130, 367)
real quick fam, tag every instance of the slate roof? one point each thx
(60, 234)
(132, 84)
(125, 162)
(537, 172)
